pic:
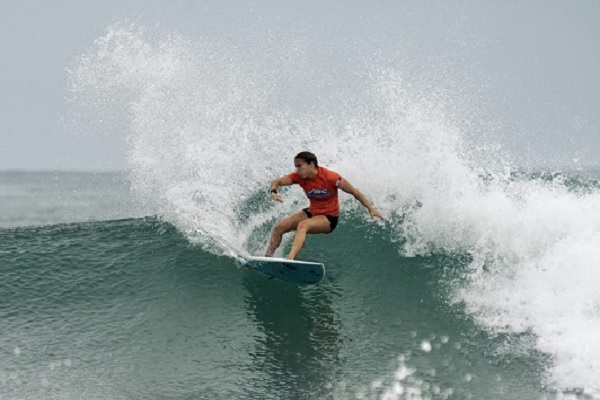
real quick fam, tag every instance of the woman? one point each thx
(321, 187)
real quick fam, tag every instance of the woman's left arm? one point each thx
(348, 188)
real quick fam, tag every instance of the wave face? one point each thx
(513, 253)
(128, 309)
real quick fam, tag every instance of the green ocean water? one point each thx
(129, 309)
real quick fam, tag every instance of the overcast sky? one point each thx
(537, 63)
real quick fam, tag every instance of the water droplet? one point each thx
(426, 346)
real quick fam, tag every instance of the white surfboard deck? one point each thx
(298, 272)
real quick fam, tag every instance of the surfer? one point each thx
(321, 187)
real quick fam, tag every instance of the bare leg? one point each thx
(317, 224)
(284, 226)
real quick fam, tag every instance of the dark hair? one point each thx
(308, 157)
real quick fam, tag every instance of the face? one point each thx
(302, 168)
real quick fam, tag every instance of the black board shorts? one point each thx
(333, 221)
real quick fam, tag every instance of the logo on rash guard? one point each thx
(318, 193)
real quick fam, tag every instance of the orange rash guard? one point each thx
(322, 191)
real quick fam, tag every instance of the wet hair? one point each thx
(308, 157)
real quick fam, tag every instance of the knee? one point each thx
(302, 226)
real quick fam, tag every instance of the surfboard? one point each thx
(298, 272)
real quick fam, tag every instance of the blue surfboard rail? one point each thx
(298, 272)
